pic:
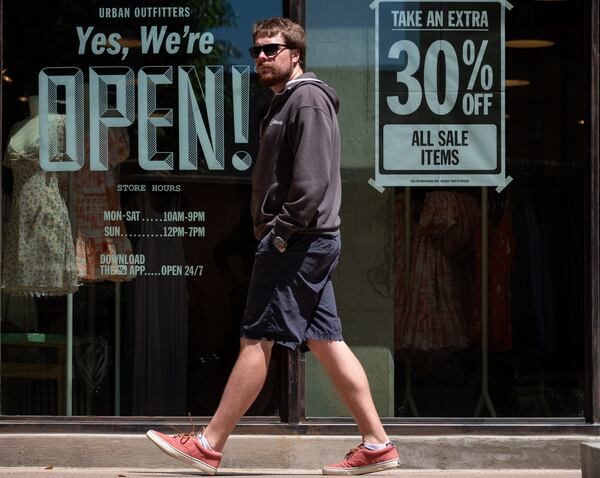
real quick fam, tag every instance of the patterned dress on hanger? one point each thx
(433, 312)
(95, 192)
(38, 256)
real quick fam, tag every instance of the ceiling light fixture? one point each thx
(529, 43)
(509, 83)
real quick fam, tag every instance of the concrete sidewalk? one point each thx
(56, 472)
(297, 452)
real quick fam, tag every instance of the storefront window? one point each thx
(413, 269)
(128, 137)
(129, 134)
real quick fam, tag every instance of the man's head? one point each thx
(279, 51)
(292, 33)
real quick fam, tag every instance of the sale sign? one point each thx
(439, 93)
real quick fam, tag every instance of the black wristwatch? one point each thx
(279, 242)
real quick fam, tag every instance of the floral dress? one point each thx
(433, 314)
(38, 256)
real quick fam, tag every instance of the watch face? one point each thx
(278, 241)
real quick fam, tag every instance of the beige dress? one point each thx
(38, 254)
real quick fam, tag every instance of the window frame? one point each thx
(293, 419)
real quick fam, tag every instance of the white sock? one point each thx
(374, 446)
(204, 442)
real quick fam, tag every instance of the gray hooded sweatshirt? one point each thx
(296, 185)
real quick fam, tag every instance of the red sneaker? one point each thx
(361, 460)
(187, 448)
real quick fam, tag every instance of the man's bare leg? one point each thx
(350, 380)
(243, 386)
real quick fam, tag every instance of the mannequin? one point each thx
(29, 132)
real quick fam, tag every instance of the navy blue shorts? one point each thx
(291, 299)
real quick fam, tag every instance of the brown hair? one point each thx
(291, 31)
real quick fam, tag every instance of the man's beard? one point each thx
(271, 77)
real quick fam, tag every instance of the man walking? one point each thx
(296, 194)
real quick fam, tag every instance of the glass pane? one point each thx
(127, 219)
(413, 269)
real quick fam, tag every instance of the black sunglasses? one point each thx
(270, 49)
